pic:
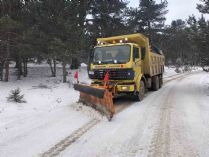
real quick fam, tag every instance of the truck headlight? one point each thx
(91, 72)
(125, 88)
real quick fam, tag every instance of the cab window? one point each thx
(143, 50)
(135, 53)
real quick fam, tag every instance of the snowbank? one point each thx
(49, 115)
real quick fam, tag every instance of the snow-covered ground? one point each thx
(50, 115)
(170, 122)
(170, 71)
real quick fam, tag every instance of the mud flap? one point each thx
(98, 98)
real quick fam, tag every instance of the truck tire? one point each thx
(160, 81)
(140, 94)
(155, 83)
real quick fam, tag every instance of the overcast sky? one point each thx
(177, 8)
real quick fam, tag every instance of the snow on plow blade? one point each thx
(98, 98)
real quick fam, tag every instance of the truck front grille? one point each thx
(114, 74)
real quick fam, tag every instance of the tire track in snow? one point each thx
(62, 145)
(69, 140)
(139, 144)
(178, 76)
(160, 144)
(182, 142)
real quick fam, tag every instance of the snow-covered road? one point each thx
(173, 121)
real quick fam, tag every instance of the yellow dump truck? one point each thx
(125, 64)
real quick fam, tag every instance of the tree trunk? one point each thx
(149, 31)
(19, 68)
(64, 72)
(25, 67)
(7, 61)
(1, 70)
(18, 65)
(74, 64)
(55, 67)
(50, 65)
(21, 72)
(16, 62)
(6, 71)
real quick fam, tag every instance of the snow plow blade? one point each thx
(98, 98)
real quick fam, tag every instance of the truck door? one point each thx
(137, 60)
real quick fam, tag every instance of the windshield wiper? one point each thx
(110, 62)
(99, 62)
(121, 62)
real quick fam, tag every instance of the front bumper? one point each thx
(125, 88)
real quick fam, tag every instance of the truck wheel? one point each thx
(140, 94)
(156, 83)
(160, 81)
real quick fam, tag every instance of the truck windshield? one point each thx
(112, 54)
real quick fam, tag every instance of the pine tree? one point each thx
(9, 36)
(193, 38)
(107, 18)
(176, 42)
(204, 7)
(203, 41)
(15, 96)
(20, 51)
(149, 17)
